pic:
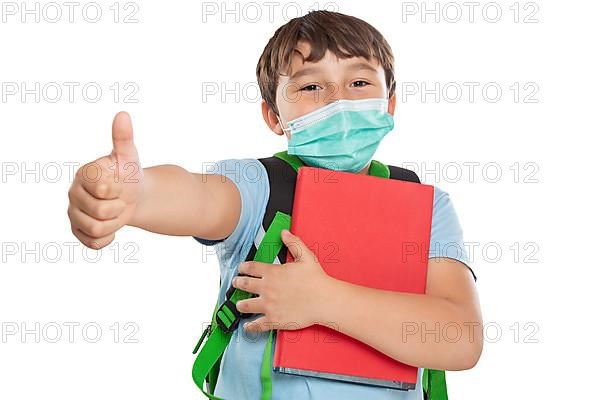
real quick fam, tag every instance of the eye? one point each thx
(360, 83)
(310, 88)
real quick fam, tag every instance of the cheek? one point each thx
(293, 110)
(294, 104)
(378, 91)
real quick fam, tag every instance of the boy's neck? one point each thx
(365, 170)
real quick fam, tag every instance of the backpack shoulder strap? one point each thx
(281, 172)
(293, 161)
(403, 174)
(282, 182)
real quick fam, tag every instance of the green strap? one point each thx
(208, 356)
(434, 384)
(293, 160)
(379, 169)
(218, 340)
(265, 369)
(437, 385)
(271, 243)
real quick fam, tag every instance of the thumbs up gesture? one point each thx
(105, 192)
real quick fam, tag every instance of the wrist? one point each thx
(137, 215)
(326, 293)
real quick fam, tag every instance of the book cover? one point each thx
(368, 231)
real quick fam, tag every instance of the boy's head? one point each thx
(321, 57)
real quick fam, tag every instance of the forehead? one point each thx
(329, 59)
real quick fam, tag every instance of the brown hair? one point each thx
(343, 35)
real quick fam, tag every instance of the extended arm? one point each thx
(175, 201)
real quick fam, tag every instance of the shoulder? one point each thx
(441, 198)
(248, 174)
(445, 226)
(446, 230)
(238, 169)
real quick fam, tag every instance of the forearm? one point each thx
(173, 201)
(416, 329)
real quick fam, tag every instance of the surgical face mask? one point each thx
(342, 135)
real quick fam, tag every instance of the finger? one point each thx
(260, 324)
(295, 245)
(99, 180)
(248, 284)
(90, 226)
(92, 243)
(254, 268)
(251, 306)
(122, 137)
(94, 207)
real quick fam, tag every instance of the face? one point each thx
(310, 86)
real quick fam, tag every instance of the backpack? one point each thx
(281, 169)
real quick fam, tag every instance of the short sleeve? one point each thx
(446, 232)
(251, 180)
(208, 242)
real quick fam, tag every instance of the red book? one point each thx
(368, 231)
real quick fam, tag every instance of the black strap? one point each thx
(403, 174)
(282, 185)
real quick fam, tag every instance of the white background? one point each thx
(171, 55)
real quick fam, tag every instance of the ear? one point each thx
(392, 104)
(270, 118)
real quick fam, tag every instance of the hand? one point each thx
(290, 295)
(105, 192)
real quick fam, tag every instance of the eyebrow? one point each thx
(304, 71)
(311, 70)
(361, 65)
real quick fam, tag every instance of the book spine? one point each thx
(295, 209)
(428, 241)
(277, 356)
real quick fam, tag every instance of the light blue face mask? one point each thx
(342, 135)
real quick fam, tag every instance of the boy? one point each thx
(309, 63)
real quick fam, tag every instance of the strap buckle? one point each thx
(228, 317)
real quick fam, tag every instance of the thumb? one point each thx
(122, 136)
(295, 245)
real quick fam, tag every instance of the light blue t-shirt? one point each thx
(239, 375)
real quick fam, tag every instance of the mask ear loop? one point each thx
(285, 130)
